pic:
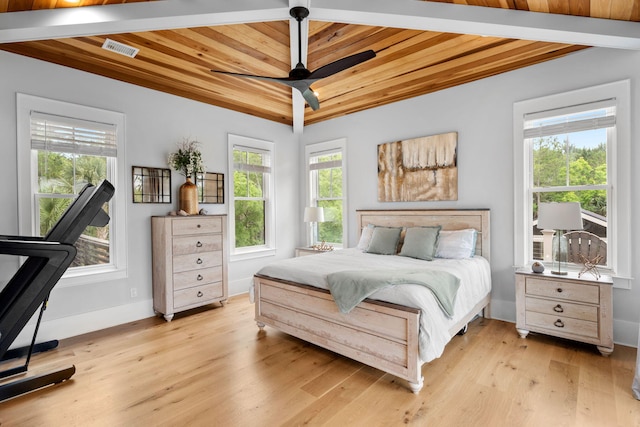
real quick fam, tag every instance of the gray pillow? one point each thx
(421, 242)
(384, 241)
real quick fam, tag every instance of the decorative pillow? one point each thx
(384, 241)
(365, 237)
(457, 244)
(420, 242)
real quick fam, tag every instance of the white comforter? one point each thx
(474, 274)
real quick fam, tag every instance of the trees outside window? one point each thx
(61, 148)
(569, 156)
(575, 147)
(251, 211)
(325, 165)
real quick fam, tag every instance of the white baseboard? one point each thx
(625, 333)
(72, 326)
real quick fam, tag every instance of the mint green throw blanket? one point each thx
(349, 288)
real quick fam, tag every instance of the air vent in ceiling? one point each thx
(120, 48)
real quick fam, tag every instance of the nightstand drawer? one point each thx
(196, 261)
(197, 277)
(199, 225)
(197, 244)
(562, 308)
(197, 295)
(563, 290)
(561, 324)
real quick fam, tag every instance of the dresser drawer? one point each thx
(197, 295)
(562, 324)
(562, 308)
(196, 261)
(197, 244)
(191, 278)
(563, 290)
(197, 225)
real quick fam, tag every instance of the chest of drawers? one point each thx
(569, 307)
(189, 262)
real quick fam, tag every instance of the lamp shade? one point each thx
(313, 214)
(559, 216)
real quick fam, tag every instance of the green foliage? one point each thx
(188, 159)
(329, 194)
(559, 164)
(250, 223)
(66, 174)
(249, 204)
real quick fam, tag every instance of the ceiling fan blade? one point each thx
(342, 64)
(311, 99)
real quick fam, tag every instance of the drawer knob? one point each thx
(558, 309)
(199, 294)
(200, 277)
(559, 290)
(199, 244)
(558, 323)
(199, 261)
(198, 226)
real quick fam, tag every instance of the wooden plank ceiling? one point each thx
(409, 63)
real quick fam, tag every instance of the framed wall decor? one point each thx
(151, 185)
(210, 187)
(419, 169)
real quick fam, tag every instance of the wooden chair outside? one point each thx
(586, 244)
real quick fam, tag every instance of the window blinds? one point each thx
(595, 115)
(247, 166)
(74, 136)
(315, 164)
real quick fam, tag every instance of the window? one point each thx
(252, 210)
(326, 189)
(62, 147)
(569, 149)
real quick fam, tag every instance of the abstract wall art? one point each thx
(419, 169)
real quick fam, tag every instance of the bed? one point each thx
(397, 328)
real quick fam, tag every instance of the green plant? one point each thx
(188, 159)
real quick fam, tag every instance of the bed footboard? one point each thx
(381, 335)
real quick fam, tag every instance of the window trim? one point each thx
(618, 163)
(27, 179)
(269, 248)
(311, 150)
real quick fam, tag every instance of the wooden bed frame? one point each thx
(379, 334)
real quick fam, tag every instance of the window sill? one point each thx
(253, 254)
(93, 275)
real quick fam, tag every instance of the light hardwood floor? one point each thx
(214, 367)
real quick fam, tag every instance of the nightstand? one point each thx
(572, 307)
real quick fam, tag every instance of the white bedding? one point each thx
(474, 274)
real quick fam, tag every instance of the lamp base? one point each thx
(559, 273)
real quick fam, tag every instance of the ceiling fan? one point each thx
(300, 78)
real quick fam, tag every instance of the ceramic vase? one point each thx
(189, 197)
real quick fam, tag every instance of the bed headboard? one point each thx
(448, 219)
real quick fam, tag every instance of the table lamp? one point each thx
(313, 214)
(559, 216)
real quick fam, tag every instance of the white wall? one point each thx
(481, 113)
(155, 122)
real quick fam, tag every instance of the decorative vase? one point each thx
(189, 197)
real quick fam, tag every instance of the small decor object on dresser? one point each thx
(187, 161)
(189, 262)
(572, 307)
(537, 267)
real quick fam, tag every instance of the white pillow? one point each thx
(365, 237)
(457, 244)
